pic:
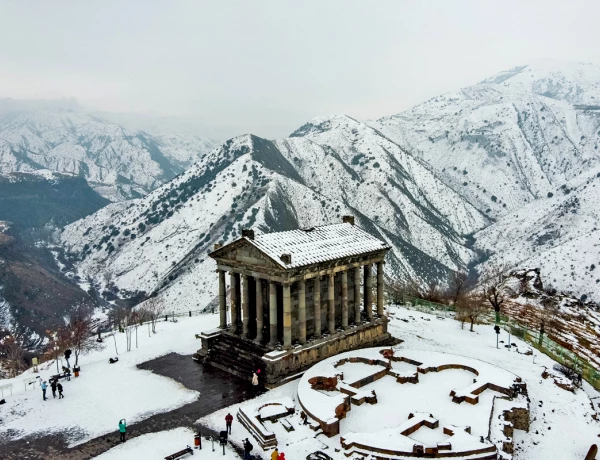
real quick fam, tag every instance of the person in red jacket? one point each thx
(281, 456)
(228, 422)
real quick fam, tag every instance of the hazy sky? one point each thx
(266, 67)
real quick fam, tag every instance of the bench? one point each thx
(287, 425)
(57, 377)
(181, 453)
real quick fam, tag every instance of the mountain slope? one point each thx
(118, 163)
(493, 164)
(160, 242)
(510, 140)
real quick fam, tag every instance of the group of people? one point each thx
(55, 386)
(275, 455)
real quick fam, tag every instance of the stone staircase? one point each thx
(237, 356)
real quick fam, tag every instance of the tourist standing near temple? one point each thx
(228, 422)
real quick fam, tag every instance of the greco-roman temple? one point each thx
(296, 297)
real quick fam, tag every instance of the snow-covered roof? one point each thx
(317, 244)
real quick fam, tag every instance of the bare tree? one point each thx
(547, 317)
(492, 291)
(470, 308)
(154, 308)
(80, 335)
(458, 285)
(432, 292)
(13, 353)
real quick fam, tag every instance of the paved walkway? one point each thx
(217, 390)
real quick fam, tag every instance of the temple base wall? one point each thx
(277, 366)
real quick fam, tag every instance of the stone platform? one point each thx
(241, 357)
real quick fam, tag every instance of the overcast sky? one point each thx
(267, 67)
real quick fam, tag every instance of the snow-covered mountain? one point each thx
(511, 139)
(330, 167)
(501, 172)
(118, 163)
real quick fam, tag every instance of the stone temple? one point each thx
(296, 297)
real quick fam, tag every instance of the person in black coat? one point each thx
(53, 387)
(60, 390)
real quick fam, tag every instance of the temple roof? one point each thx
(317, 244)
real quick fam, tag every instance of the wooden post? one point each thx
(272, 313)
(331, 302)
(287, 316)
(259, 311)
(222, 300)
(302, 312)
(317, 306)
(357, 301)
(344, 299)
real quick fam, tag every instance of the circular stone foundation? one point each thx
(407, 403)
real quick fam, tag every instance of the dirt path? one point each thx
(217, 390)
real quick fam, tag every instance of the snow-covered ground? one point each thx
(159, 445)
(561, 422)
(105, 393)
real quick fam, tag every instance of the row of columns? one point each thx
(242, 291)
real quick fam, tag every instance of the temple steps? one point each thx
(236, 356)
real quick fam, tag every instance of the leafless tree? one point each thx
(458, 285)
(79, 334)
(470, 308)
(153, 308)
(13, 353)
(547, 316)
(492, 290)
(433, 292)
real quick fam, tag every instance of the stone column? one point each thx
(233, 280)
(331, 302)
(287, 317)
(380, 289)
(357, 302)
(369, 291)
(222, 300)
(259, 310)
(302, 312)
(272, 313)
(245, 309)
(317, 306)
(344, 299)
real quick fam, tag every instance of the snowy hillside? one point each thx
(511, 139)
(118, 163)
(498, 160)
(559, 234)
(160, 242)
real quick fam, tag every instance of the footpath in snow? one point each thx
(105, 393)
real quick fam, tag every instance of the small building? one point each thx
(296, 297)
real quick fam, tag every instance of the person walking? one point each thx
(122, 429)
(275, 454)
(247, 449)
(59, 388)
(281, 456)
(44, 387)
(67, 356)
(53, 387)
(228, 422)
(254, 383)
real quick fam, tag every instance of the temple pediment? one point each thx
(243, 252)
